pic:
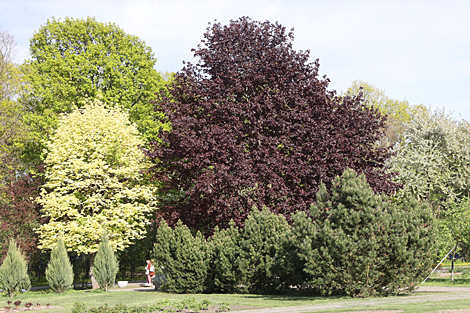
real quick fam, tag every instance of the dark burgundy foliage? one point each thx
(253, 124)
(19, 215)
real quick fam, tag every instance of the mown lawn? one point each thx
(134, 298)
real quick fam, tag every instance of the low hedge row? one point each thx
(352, 241)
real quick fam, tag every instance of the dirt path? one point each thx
(430, 294)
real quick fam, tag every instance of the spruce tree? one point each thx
(59, 272)
(13, 271)
(105, 264)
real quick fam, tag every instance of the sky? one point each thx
(413, 50)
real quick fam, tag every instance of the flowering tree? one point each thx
(94, 181)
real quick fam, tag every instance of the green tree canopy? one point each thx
(398, 112)
(433, 162)
(73, 59)
(94, 181)
(13, 131)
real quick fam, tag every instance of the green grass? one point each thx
(134, 298)
(434, 306)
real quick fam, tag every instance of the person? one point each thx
(150, 272)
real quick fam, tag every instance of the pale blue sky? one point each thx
(415, 50)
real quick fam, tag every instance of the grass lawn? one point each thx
(131, 298)
(134, 298)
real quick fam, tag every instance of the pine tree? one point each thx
(224, 258)
(59, 272)
(261, 242)
(13, 271)
(183, 257)
(360, 243)
(105, 264)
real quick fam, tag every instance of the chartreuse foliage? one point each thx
(105, 264)
(398, 112)
(94, 181)
(357, 242)
(73, 59)
(183, 258)
(13, 272)
(59, 271)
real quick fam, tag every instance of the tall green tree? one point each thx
(13, 131)
(14, 271)
(105, 264)
(59, 271)
(73, 59)
(398, 112)
(94, 181)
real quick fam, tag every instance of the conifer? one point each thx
(183, 257)
(59, 272)
(13, 271)
(105, 264)
(360, 243)
(224, 258)
(261, 243)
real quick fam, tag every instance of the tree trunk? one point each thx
(94, 283)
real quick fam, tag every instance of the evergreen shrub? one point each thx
(13, 271)
(105, 264)
(59, 271)
(224, 260)
(261, 245)
(359, 243)
(183, 258)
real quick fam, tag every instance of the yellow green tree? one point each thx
(73, 59)
(398, 112)
(95, 181)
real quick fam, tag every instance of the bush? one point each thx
(359, 243)
(261, 243)
(183, 257)
(105, 264)
(59, 272)
(13, 271)
(224, 260)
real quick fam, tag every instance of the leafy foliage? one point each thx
(357, 242)
(253, 124)
(19, 214)
(105, 264)
(73, 59)
(59, 272)
(183, 258)
(13, 272)
(94, 181)
(434, 165)
(398, 112)
(13, 131)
